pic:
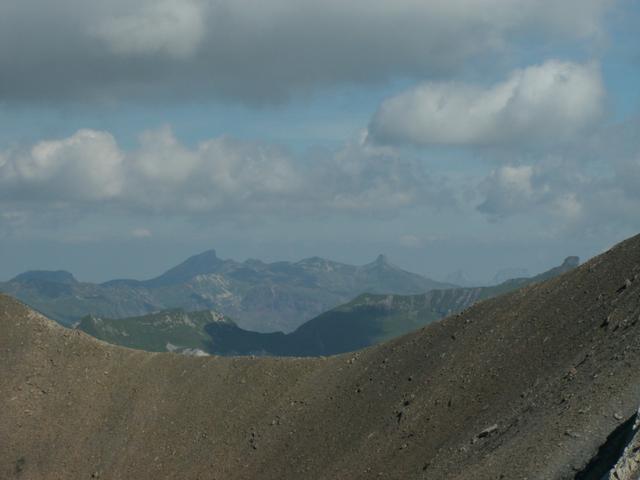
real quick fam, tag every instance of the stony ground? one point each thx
(524, 386)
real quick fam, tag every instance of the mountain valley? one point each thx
(367, 320)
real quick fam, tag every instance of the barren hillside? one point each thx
(527, 385)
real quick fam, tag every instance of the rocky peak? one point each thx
(571, 262)
(382, 261)
(50, 276)
(201, 264)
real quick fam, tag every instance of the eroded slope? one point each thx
(547, 373)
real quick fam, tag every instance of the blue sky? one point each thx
(468, 136)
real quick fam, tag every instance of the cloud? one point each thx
(263, 51)
(551, 187)
(225, 176)
(510, 189)
(141, 233)
(219, 174)
(540, 105)
(171, 27)
(86, 166)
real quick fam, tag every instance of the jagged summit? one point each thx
(260, 296)
(382, 260)
(571, 262)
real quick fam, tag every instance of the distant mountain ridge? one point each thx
(367, 320)
(260, 296)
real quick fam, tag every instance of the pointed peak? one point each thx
(571, 262)
(382, 260)
(207, 254)
(203, 263)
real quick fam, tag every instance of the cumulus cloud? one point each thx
(86, 166)
(551, 187)
(589, 187)
(221, 175)
(510, 189)
(262, 51)
(364, 177)
(543, 104)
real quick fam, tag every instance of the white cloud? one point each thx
(221, 175)
(510, 189)
(539, 105)
(85, 166)
(172, 27)
(552, 189)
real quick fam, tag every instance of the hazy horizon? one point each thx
(136, 134)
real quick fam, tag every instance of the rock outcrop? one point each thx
(628, 467)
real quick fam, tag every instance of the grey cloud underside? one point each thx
(257, 51)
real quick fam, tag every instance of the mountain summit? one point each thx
(382, 260)
(202, 264)
(260, 296)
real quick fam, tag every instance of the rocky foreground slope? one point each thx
(542, 383)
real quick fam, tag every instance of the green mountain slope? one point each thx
(368, 320)
(171, 330)
(260, 296)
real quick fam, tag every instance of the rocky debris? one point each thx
(488, 431)
(628, 466)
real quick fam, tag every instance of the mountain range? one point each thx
(259, 296)
(367, 320)
(538, 383)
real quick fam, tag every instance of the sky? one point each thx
(471, 135)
